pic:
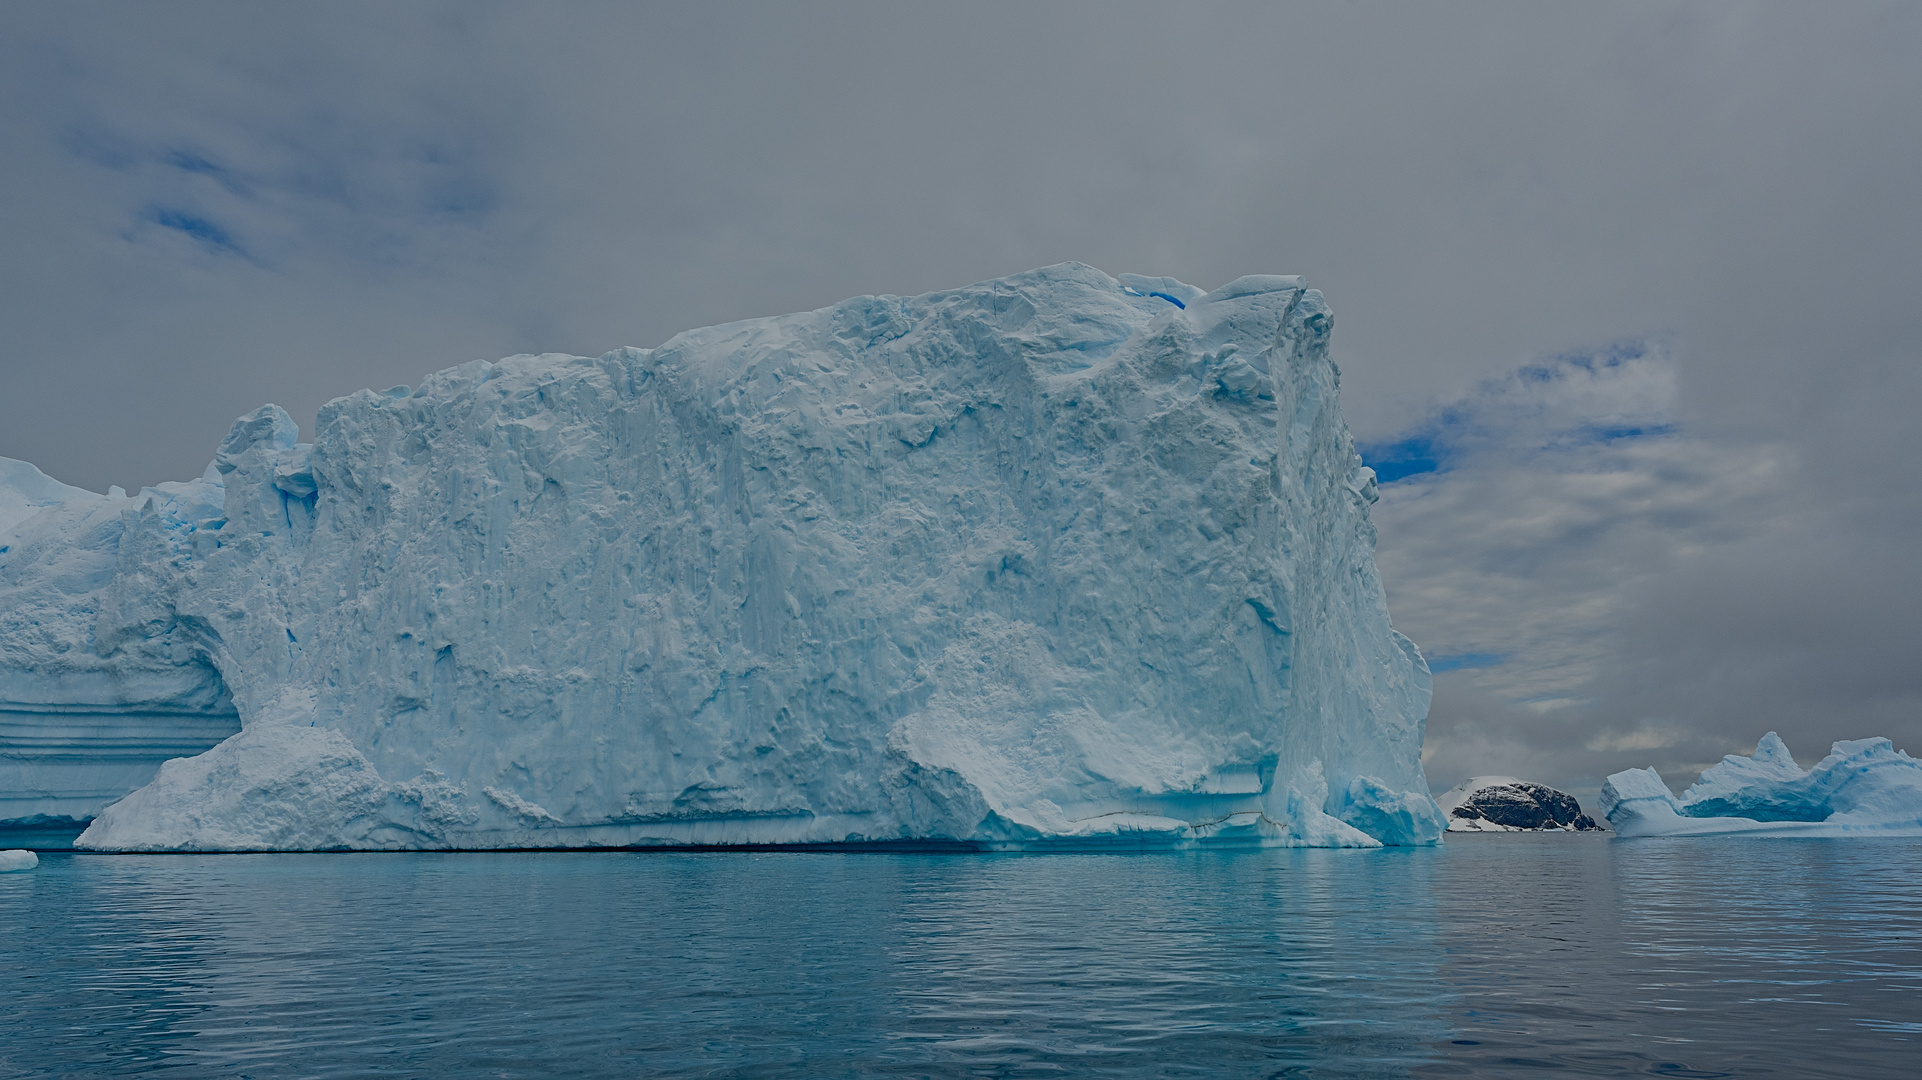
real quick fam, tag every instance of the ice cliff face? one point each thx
(1047, 560)
(83, 720)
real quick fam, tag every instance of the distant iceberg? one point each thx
(1865, 787)
(1057, 560)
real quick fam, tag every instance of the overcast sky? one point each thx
(1629, 297)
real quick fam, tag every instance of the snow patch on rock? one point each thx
(1507, 804)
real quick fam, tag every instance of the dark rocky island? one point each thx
(1505, 804)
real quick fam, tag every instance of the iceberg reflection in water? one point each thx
(1485, 957)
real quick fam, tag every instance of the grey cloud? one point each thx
(1600, 585)
(209, 206)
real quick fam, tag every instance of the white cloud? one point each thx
(1524, 522)
(210, 206)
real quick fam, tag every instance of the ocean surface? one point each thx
(1492, 956)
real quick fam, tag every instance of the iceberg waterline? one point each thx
(1055, 559)
(1864, 787)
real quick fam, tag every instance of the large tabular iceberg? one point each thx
(1864, 787)
(1050, 560)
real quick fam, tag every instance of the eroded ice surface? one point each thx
(1052, 559)
(85, 720)
(1864, 787)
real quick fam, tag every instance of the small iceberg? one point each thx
(1865, 787)
(18, 859)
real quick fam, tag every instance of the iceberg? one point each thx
(1056, 560)
(80, 726)
(1863, 787)
(17, 859)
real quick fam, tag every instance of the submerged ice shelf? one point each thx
(1057, 559)
(1865, 787)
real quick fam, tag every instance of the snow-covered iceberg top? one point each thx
(1057, 559)
(1864, 787)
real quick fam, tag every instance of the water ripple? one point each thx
(1502, 956)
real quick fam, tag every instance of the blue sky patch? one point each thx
(1571, 402)
(1403, 458)
(189, 162)
(197, 228)
(1621, 433)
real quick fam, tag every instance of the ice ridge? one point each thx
(1046, 561)
(1863, 787)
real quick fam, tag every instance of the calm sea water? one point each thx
(1493, 956)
